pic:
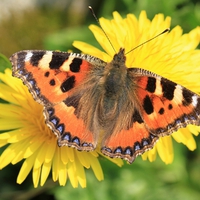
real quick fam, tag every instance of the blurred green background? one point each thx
(54, 25)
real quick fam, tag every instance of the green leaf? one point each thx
(63, 40)
(4, 63)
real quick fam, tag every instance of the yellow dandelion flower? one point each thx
(28, 138)
(172, 56)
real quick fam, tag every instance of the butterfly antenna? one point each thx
(92, 11)
(165, 31)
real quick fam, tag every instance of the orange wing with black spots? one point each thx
(166, 106)
(162, 108)
(50, 76)
(57, 80)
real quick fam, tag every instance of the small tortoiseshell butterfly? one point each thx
(88, 101)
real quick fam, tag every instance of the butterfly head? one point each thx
(115, 74)
(120, 57)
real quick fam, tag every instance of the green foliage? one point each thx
(141, 180)
(184, 13)
(4, 63)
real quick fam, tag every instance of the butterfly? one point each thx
(88, 102)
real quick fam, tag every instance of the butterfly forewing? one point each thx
(165, 105)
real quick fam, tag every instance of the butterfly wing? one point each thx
(58, 81)
(160, 108)
(165, 105)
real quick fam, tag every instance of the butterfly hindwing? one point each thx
(128, 144)
(71, 131)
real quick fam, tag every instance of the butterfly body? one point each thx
(88, 102)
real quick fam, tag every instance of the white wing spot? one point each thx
(178, 94)
(158, 90)
(194, 100)
(66, 64)
(46, 59)
(28, 56)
